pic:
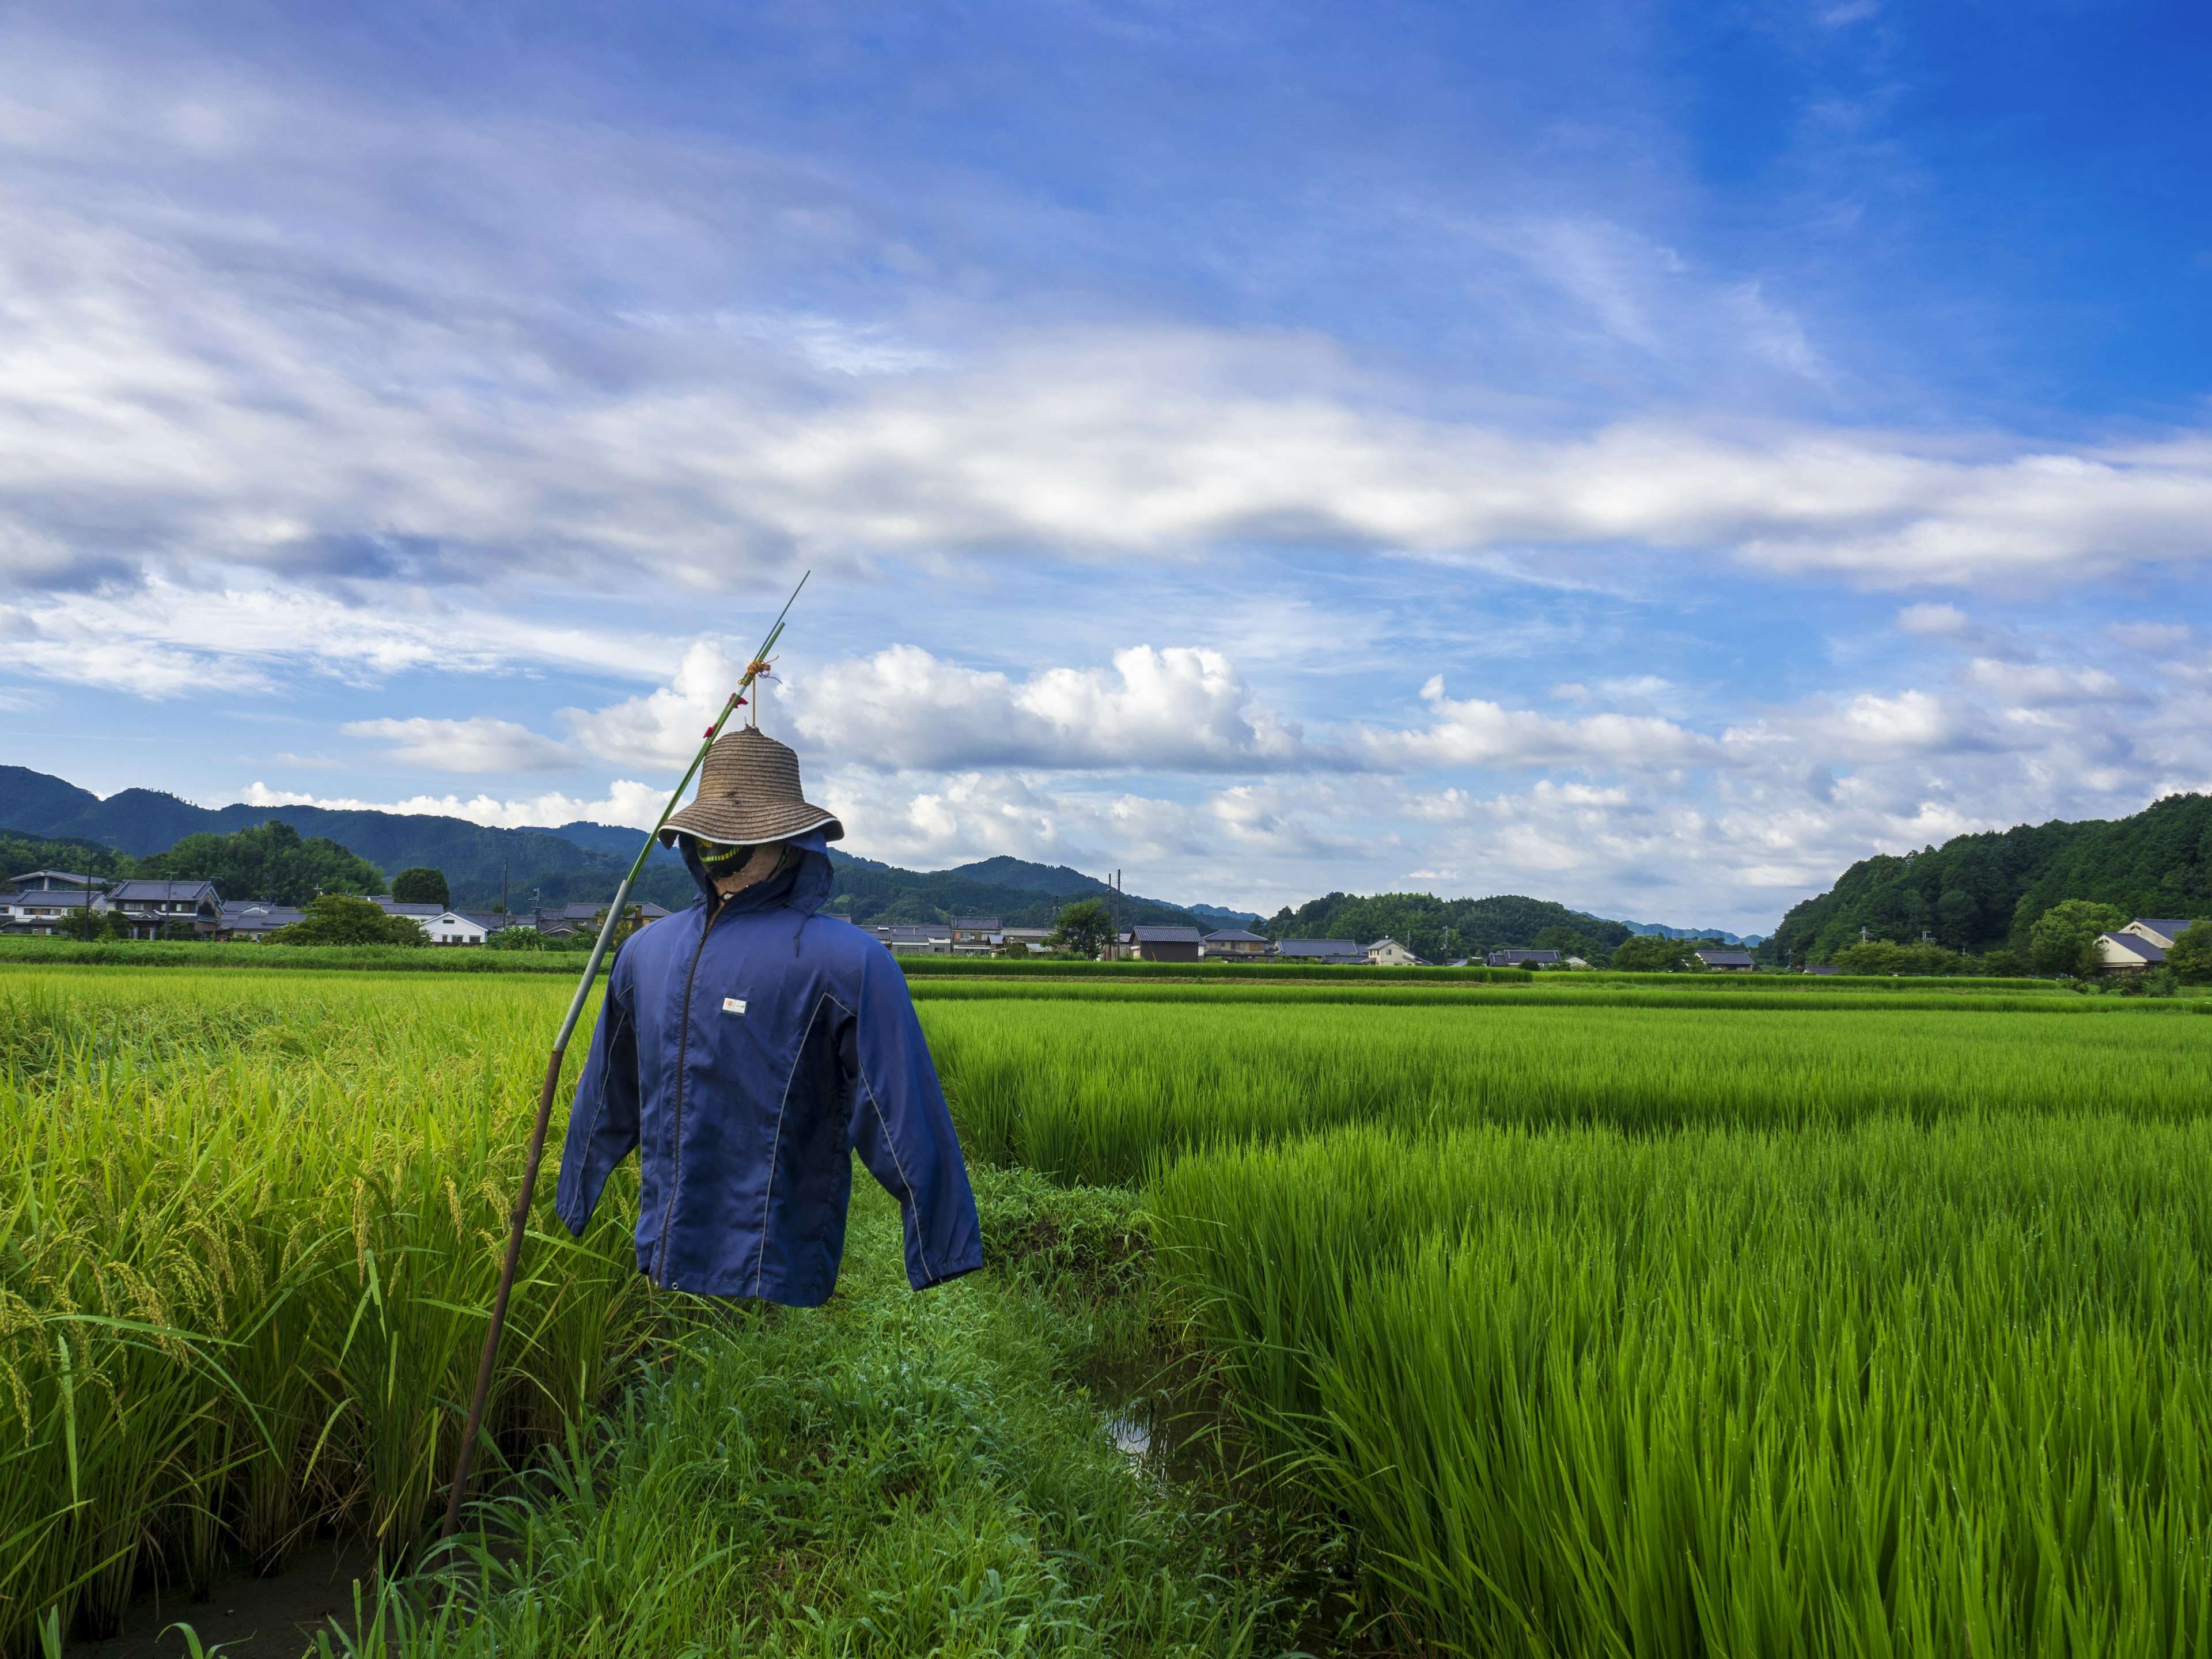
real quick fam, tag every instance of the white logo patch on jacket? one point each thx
(733, 1005)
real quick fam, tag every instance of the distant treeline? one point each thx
(1443, 930)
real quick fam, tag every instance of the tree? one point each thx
(2003, 963)
(341, 918)
(520, 936)
(1881, 957)
(2063, 939)
(269, 860)
(2191, 959)
(1651, 953)
(420, 884)
(1084, 928)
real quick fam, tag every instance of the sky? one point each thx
(1643, 456)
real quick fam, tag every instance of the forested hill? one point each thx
(1442, 929)
(1976, 893)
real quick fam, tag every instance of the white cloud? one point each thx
(633, 804)
(479, 744)
(665, 727)
(1175, 709)
(167, 638)
(1479, 733)
(180, 390)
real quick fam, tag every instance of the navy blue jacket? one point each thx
(748, 1049)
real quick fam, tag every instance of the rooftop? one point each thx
(1165, 935)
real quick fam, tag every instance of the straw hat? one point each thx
(749, 793)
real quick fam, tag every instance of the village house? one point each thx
(1166, 944)
(1232, 942)
(2161, 933)
(1725, 959)
(253, 922)
(2141, 944)
(1388, 953)
(1519, 956)
(976, 936)
(149, 906)
(553, 923)
(1330, 952)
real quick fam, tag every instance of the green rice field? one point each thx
(1604, 1318)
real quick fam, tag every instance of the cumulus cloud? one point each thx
(664, 726)
(1479, 733)
(479, 745)
(1173, 709)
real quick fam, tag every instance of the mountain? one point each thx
(576, 861)
(144, 821)
(1977, 893)
(1660, 930)
(1215, 917)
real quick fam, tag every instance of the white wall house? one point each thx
(1388, 953)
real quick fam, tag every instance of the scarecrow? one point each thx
(748, 1046)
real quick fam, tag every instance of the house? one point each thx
(2128, 953)
(1520, 955)
(56, 881)
(923, 939)
(255, 920)
(555, 924)
(1033, 939)
(150, 906)
(1330, 952)
(1822, 968)
(1167, 943)
(974, 936)
(2161, 933)
(1232, 942)
(44, 910)
(1388, 953)
(1724, 960)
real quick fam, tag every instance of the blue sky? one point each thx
(1643, 456)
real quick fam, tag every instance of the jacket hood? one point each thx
(804, 888)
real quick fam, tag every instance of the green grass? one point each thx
(1100, 1091)
(1653, 991)
(891, 1474)
(1884, 1389)
(33, 952)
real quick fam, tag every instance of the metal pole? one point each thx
(519, 1220)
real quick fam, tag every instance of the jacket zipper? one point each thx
(676, 1139)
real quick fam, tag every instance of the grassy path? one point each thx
(893, 1474)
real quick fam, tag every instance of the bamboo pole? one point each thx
(519, 1221)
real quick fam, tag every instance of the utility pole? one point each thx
(1117, 915)
(502, 887)
(1862, 934)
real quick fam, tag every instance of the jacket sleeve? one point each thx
(902, 1131)
(603, 1119)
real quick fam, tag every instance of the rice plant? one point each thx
(1101, 1091)
(247, 1229)
(1889, 1389)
